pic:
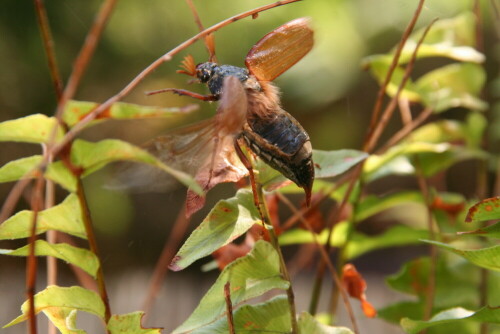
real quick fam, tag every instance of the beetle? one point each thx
(251, 104)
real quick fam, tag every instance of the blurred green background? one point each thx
(327, 91)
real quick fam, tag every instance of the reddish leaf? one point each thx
(230, 252)
(313, 216)
(356, 287)
(451, 208)
(258, 232)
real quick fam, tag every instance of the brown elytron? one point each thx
(268, 130)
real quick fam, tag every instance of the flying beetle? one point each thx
(249, 113)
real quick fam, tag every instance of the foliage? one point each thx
(445, 287)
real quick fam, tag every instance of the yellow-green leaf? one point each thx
(36, 128)
(74, 297)
(249, 276)
(226, 221)
(130, 324)
(56, 171)
(75, 111)
(64, 217)
(80, 257)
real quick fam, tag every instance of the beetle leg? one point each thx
(251, 173)
(184, 92)
(215, 152)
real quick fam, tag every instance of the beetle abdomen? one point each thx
(283, 144)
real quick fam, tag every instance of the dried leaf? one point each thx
(356, 287)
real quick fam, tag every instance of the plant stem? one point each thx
(51, 238)
(31, 263)
(87, 221)
(340, 287)
(274, 241)
(171, 245)
(229, 308)
(380, 95)
(85, 54)
(48, 44)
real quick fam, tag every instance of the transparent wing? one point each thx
(205, 150)
(280, 49)
(185, 149)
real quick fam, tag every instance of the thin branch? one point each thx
(31, 263)
(327, 261)
(229, 308)
(89, 230)
(51, 237)
(274, 241)
(371, 140)
(404, 110)
(331, 224)
(171, 245)
(48, 44)
(388, 111)
(86, 53)
(479, 25)
(406, 130)
(431, 288)
(14, 195)
(395, 60)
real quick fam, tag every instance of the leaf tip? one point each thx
(173, 265)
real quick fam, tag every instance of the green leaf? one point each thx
(379, 66)
(433, 159)
(226, 221)
(93, 156)
(398, 235)
(272, 316)
(30, 129)
(61, 175)
(74, 297)
(328, 164)
(65, 217)
(373, 204)
(17, 169)
(453, 315)
(451, 86)
(308, 324)
(75, 111)
(64, 319)
(80, 257)
(334, 163)
(487, 209)
(475, 128)
(57, 172)
(488, 258)
(395, 312)
(130, 324)
(301, 236)
(456, 284)
(249, 276)
(452, 38)
(438, 132)
(359, 243)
